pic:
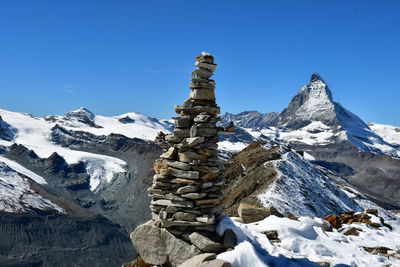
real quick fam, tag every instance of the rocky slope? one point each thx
(281, 198)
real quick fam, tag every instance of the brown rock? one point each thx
(255, 212)
(188, 189)
(334, 221)
(170, 154)
(202, 94)
(351, 231)
(185, 181)
(194, 195)
(189, 156)
(372, 211)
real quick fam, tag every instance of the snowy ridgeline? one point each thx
(303, 188)
(34, 133)
(304, 242)
(16, 194)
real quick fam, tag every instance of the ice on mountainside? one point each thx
(16, 195)
(34, 133)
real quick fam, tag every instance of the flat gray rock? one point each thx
(204, 243)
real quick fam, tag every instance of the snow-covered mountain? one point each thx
(279, 177)
(35, 134)
(389, 133)
(333, 137)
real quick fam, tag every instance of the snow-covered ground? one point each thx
(305, 241)
(33, 133)
(16, 194)
(389, 133)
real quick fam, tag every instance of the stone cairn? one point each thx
(187, 184)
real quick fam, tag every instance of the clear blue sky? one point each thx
(119, 56)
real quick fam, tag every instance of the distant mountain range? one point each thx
(86, 169)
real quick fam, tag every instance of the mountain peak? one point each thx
(316, 77)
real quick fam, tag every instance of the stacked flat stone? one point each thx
(186, 189)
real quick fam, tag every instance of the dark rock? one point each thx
(229, 239)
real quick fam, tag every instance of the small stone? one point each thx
(182, 122)
(197, 110)
(185, 181)
(202, 118)
(171, 209)
(198, 84)
(216, 263)
(201, 74)
(168, 224)
(194, 195)
(334, 221)
(377, 250)
(163, 215)
(193, 141)
(188, 189)
(272, 235)
(206, 219)
(208, 201)
(204, 243)
(181, 133)
(183, 174)
(173, 139)
(210, 67)
(165, 202)
(193, 131)
(372, 211)
(202, 94)
(198, 260)
(183, 216)
(230, 239)
(178, 165)
(189, 156)
(170, 154)
(351, 231)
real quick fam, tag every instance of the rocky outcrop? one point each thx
(6, 131)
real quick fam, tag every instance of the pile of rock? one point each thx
(187, 184)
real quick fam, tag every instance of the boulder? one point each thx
(255, 212)
(198, 260)
(157, 246)
(204, 243)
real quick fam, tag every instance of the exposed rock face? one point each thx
(6, 132)
(251, 119)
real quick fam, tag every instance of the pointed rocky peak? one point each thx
(81, 115)
(316, 77)
(312, 103)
